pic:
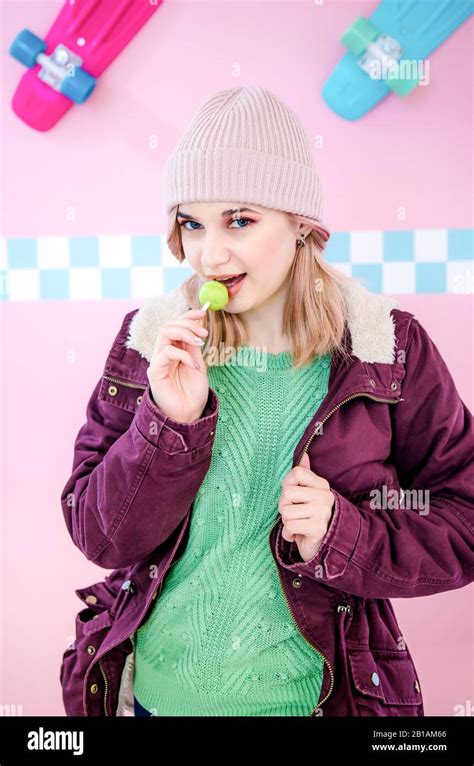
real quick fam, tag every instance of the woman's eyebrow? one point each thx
(224, 212)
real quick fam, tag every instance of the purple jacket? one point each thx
(392, 421)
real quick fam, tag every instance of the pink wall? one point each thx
(53, 368)
(99, 161)
(413, 154)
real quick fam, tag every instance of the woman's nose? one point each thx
(214, 258)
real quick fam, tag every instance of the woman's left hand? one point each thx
(305, 505)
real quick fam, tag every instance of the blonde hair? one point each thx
(314, 310)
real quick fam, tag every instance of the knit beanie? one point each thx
(245, 145)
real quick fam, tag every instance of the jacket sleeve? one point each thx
(408, 551)
(134, 477)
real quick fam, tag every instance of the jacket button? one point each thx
(297, 582)
(91, 649)
(211, 433)
(112, 390)
(94, 689)
(393, 386)
(128, 585)
(417, 685)
(139, 399)
(91, 599)
(372, 382)
(375, 679)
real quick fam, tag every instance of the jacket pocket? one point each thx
(123, 393)
(385, 683)
(91, 626)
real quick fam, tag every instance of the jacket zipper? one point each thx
(113, 614)
(331, 672)
(124, 382)
(106, 686)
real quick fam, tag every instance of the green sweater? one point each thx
(221, 639)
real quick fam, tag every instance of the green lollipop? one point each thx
(215, 294)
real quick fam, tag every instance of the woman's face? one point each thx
(224, 238)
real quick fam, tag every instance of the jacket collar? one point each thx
(368, 318)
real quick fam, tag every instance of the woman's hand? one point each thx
(305, 505)
(177, 386)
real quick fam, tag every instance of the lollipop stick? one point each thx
(206, 305)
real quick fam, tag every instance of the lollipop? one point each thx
(213, 295)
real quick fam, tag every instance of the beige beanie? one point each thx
(245, 145)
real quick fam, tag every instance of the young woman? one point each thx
(251, 496)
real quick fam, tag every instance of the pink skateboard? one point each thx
(63, 68)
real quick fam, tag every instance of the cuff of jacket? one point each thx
(336, 547)
(172, 436)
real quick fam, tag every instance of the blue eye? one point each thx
(185, 222)
(234, 220)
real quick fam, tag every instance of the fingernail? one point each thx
(200, 341)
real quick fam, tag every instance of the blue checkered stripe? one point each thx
(122, 266)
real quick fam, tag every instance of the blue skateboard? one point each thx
(387, 52)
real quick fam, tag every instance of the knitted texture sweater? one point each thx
(221, 639)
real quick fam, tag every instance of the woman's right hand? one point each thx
(177, 387)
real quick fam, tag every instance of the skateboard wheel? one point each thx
(78, 86)
(359, 35)
(402, 87)
(25, 48)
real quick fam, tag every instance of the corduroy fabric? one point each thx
(246, 145)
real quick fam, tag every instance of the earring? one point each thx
(301, 239)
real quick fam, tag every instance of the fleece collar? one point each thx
(371, 326)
